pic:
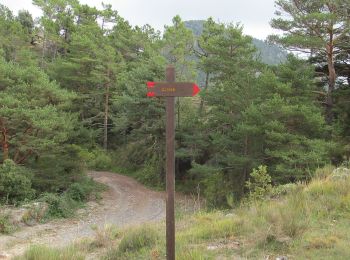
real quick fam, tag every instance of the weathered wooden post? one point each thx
(170, 89)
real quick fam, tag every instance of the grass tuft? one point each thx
(134, 240)
(39, 252)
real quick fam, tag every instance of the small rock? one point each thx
(212, 247)
(281, 258)
(285, 239)
(340, 173)
(16, 215)
(4, 256)
(81, 211)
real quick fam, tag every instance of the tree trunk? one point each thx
(245, 172)
(201, 106)
(105, 123)
(5, 145)
(43, 52)
(331, 81)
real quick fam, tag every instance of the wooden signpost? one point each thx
(171, 89)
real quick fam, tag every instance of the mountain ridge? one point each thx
(270, 54)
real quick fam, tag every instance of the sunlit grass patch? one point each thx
(209, 226)
(38, 252)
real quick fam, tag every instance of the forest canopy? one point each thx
(73, 97)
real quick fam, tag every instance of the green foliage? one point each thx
(282, 190)
(325, 41)
(75, 82)
(268, 53)
(301, 14)
(289, 140)
(309, 222)
(211, 183)
(64, 205)
(96, 159)
(77, 192)
(259, 184)
(59, 206)
(15, 183)
(13, 35)
(149, 173)
(178, 45)
(5, 226)
(84, 190)
(64, 167)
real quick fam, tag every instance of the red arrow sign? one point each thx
(196, 90)
(176, 89)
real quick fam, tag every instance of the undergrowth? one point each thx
(306, 221)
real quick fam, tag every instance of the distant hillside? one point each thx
(269, 53)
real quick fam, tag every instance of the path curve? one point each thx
(126, 202)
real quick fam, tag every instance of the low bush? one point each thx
(282, 190)
(259, 184)
(15, 183)
(59, 206)
(63, 205)
(35, 213)
(63, 167)
(5, 226)
(149, 174)
(96, 159)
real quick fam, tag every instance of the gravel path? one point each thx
(126, 202)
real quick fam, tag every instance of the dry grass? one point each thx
(310, 222)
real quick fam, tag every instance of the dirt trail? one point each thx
(125, 203)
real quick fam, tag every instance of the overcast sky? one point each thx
(253, 14)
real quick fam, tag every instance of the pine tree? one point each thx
(34, 117)
(318, 28)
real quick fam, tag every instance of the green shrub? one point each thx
(5, 226)
(149, 173)
(15, 183)
(63, 205)
(282, 190)
(215, 190)
(78, 192)
(138, 238)
(96, 159)
(63, 167)
(259, 184)
(85, 189)
(59, 206)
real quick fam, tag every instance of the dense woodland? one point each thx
(73, 97)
